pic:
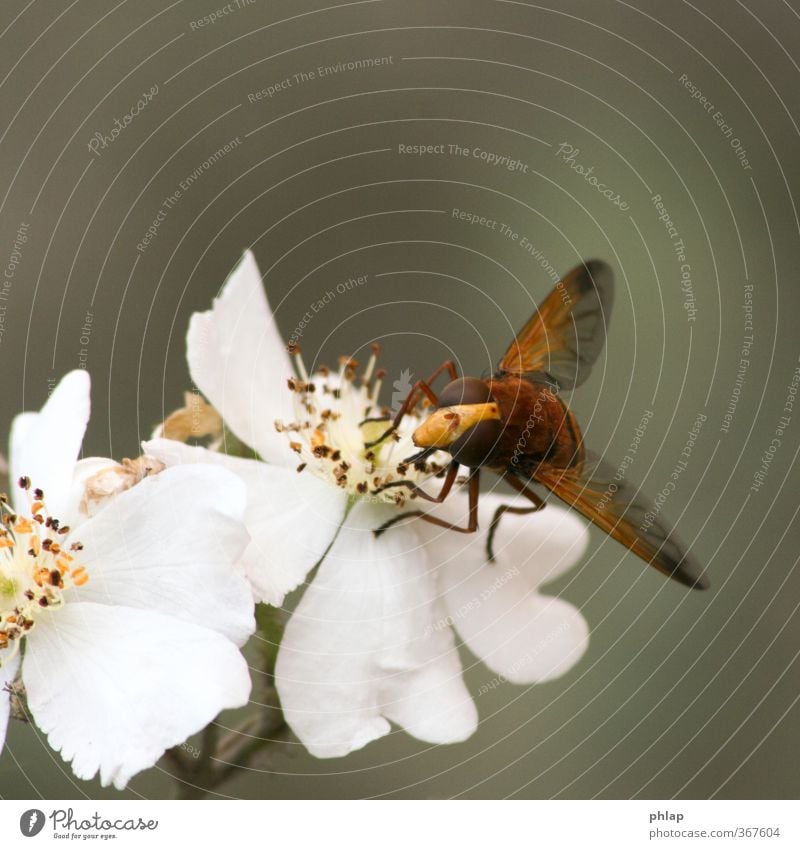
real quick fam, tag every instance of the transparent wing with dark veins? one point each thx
(567, 332)
(617, 508)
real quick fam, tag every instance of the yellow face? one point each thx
(445, 425)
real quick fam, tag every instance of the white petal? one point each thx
(113, 687)
(291, 518)
(45, 445)
(8, 672)
(496, 608)
(170, 544)
(366, 645)
(239, 362)
(549, 542)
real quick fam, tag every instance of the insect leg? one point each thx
(412, 399)
(538, 504)
(472, 523)
(450, 477)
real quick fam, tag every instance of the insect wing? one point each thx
(564, 337)
(615, 506)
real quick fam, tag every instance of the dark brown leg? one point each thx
(472, 524)
(412, 399)
(450, 477)
(522, 488)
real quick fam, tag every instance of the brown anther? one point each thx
(76, 546)
(38, 494)
(64, 530)
(336, 456)
(24, 482)
(380, 374)
(296, 447)
(402, 468)
(348, 362)
(292, 349)
(376, 348)
(46, 543)
(301, 467)
(362, 487)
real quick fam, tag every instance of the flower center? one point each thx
(35, 570)
(329, 432)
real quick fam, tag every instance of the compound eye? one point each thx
(465, 390)
(476, 445)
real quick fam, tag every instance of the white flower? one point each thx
(371, 641)
(126, 626)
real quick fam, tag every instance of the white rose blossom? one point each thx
(124, 628)
(372, 639)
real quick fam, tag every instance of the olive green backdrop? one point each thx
(680, 694)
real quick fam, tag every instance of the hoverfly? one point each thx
(516, 424)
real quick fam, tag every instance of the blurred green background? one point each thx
(680, 694)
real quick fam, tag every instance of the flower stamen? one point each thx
(35, 571)
(335, 420)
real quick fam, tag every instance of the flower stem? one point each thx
(221, 757)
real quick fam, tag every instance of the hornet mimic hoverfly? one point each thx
(515, 424)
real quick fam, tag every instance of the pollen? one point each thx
(35, 572)
(337, 413)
